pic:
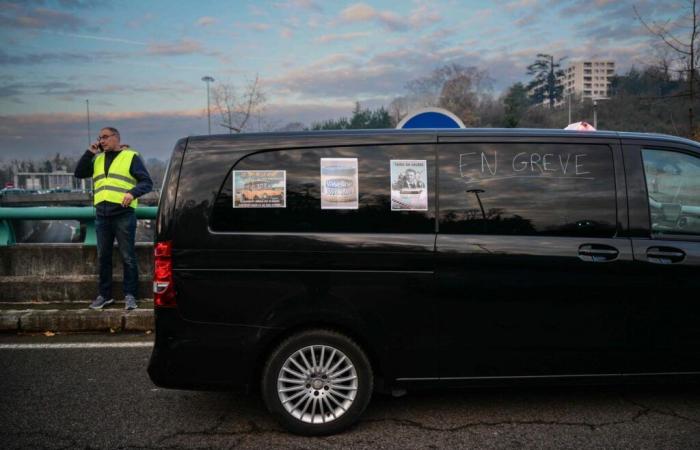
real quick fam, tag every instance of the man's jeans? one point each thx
(122, 227)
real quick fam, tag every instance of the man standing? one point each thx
(119, 177)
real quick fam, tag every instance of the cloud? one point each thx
(310, 5)
(286, 33)
(182, 47)
(327, 38)
(259, 26)
(70, 4)
(140, 21)
(82, 4)
(359, 12)
(97, 38)
(40, 18)
(41, 58)
(420, 17)
(206, 21)
(153, 134)
(68, 91)
(520, 4)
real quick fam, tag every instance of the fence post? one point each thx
(90, 234)
(7, 233)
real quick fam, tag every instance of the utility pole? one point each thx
(207, 79)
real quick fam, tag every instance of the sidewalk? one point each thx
(35, 317)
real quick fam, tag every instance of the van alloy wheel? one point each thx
(317, 384)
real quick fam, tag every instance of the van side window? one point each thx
(303, 212)
(527, 189)
(673, 187)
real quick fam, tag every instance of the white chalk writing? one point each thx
(524, 164)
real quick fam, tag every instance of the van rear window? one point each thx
(302, 209)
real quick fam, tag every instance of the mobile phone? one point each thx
(100, 148)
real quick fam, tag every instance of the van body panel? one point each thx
(665, 319)
(514, 306)
(168, 195)
(436, 306)
(530, 304)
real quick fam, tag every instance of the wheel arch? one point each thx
(363, 341)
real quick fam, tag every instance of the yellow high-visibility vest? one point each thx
(112, 187)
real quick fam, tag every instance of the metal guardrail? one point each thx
(85, 214)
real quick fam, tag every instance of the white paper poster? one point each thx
(339, 185)
(409, 185)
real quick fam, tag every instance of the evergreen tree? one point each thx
(544, 85)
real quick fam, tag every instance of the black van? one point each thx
(395, 259)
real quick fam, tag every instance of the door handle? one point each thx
(597, 253)
(665, 255)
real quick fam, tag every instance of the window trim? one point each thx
(430, 151)
(671, 149)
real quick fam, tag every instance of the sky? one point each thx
(140, 63)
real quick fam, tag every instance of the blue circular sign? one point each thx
(431, 118)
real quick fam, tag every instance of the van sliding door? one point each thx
(530, 268)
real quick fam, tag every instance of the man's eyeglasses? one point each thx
(102, 138)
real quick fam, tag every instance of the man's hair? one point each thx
(113, 130)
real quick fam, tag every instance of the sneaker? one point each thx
(100, 302)
(130, 301)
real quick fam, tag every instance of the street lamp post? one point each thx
(207, 79)
(476, 192)
(595, 110)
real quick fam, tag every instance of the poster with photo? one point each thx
(339, 186)
(259, 188)
(409, 185)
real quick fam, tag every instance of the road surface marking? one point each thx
(76, 345)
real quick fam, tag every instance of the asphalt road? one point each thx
(102, 398)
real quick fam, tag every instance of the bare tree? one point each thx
(454, 87)
(237, 111)
(398, 108)
(685, 49)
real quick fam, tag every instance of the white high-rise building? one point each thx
(588, 80)
(584, 80)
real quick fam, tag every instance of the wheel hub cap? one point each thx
(317, 384)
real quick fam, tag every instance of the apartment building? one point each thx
(584, 80)
(588, 80)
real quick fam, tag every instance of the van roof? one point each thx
(427, 135)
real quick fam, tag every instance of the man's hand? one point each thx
(94, 147)
(128, 198)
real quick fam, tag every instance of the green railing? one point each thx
(85, 214)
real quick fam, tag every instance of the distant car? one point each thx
(14, 191)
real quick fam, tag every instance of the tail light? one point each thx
(163, 289)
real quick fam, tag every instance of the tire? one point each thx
(325, 381)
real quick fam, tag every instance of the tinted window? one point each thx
(302, 210)
(673, 186)
(527, 189)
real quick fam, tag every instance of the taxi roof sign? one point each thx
(580, 126)
(431, 118)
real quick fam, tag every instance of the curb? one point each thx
(110, 320)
